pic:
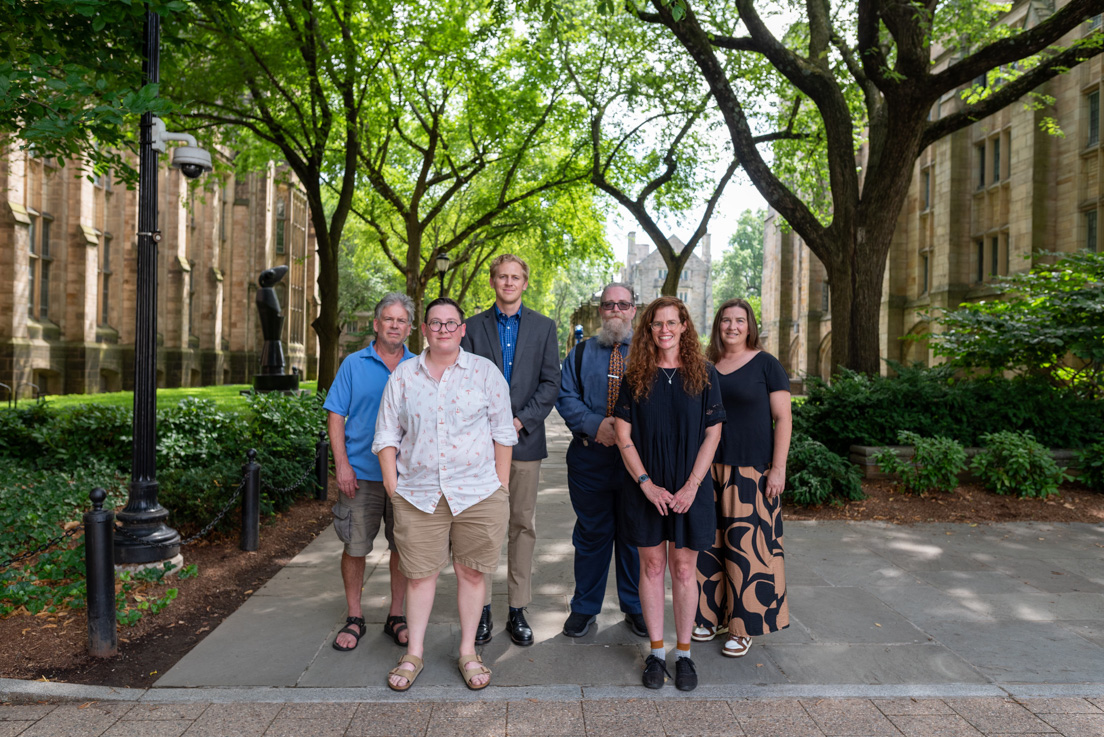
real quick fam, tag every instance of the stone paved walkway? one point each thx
(910, 630)
(1069, 717)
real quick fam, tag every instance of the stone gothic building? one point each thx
(68, 258)
(646, 271)
(983, 202)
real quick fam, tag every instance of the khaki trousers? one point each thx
(522, 534)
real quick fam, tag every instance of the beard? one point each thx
(616, 329)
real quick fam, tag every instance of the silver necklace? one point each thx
(669, 376)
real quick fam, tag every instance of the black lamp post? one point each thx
(146, 538)
(442, 263)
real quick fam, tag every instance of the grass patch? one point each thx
(226, 397)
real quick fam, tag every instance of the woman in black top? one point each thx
(741, 577)
(668, 423)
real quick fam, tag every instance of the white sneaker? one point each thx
(703, 633)
(736, 646)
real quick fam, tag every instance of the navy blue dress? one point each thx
(668, 429)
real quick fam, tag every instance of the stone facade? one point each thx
(646, 271)
(68, 260)
(983, 201)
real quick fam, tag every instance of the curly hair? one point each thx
(642, 369)
(716, 347)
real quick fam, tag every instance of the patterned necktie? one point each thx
(616, 371)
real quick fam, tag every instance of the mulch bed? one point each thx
(53, 647)
(971, 503)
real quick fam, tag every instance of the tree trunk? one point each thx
(326, 325)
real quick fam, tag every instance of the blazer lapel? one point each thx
(491, 326)
(526, 339)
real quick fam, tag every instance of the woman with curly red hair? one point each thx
(668, 423)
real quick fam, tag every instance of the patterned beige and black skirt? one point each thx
(742, 577)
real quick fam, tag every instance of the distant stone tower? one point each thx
(646, 271)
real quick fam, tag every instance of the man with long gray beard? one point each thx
(589, 382)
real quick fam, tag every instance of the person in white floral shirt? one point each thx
(445, 432)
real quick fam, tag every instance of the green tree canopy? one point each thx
(739, 271)
(468, 145)
(71, 81)
(857, 81)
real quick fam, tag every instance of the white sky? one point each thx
(738, 196)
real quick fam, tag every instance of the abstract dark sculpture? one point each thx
(271, 377)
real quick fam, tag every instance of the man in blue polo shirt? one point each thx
(353, 402)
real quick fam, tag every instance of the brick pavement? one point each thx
(683, 716)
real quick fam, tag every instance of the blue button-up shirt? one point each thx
(507, 338)
(355, 395)
(582, 403)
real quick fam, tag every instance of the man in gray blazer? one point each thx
(523, 345)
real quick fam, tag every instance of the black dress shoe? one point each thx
(686, 675)
(577, 624)
(636, 624)
(655, 671)
(483, 631)
(520, 631)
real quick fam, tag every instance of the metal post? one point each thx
(251, 503)
(99, 529)
(322, 467)
(144, 517)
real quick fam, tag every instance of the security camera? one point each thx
(192, 160)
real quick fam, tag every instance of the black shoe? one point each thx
(654, 672)
(636, 624)
(686, 675)
(577, 624)
(483, 631)
(520, 631)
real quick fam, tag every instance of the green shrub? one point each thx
(816, 475)
(1091, 462)
(856, 409)
(195, 432)
(934, 467)
(1015, 463)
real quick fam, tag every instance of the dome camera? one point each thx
(192, 161)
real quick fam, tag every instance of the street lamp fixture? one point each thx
(143, 536)
(442, 263)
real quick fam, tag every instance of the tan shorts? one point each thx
(476, 535)
(357, 520)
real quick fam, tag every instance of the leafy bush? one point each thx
(934, 467)
(1044, 316)
(816, 475)
(195, 432)
(35, 507)
(1091, 462)
(864, 410)
(1015, 463)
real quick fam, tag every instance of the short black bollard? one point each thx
(251, 503)
(99, 566)
(322, 467)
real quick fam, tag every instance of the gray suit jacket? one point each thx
(535, 381)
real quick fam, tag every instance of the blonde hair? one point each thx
(504, 258)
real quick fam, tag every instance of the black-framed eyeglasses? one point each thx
(623, 306)
(450, 326)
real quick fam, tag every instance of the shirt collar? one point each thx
(503, 317)
(372, 353)
(463, 361)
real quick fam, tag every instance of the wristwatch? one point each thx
(643, 477)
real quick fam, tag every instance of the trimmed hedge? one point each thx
(856, 409)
